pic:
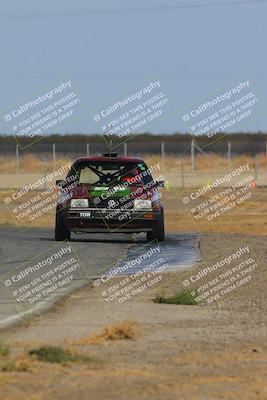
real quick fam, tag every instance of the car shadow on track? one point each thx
(114, 238)
(100, 238)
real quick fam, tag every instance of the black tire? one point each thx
(158, 232)
(61, 232)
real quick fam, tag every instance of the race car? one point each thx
(109, 194)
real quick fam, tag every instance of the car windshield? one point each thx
(109, 173)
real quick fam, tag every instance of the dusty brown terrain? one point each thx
(179, 352)
(198, 352)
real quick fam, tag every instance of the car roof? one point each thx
(108, 158)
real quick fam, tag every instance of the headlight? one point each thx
(140, 204)
(79, 203)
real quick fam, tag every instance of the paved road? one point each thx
(36, 271)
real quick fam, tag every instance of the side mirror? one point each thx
(160, 184)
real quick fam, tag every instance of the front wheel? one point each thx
(158, 232)
(61, 231)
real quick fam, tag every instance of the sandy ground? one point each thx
(202, 352)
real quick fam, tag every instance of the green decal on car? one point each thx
(115, 192)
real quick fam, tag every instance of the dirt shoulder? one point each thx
(186, 352)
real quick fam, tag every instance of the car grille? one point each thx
(111, 204)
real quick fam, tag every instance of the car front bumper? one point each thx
(108, 220)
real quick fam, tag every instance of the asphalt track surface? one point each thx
(27, 261)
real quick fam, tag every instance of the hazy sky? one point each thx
(108, 52)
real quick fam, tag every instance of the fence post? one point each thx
(162, 151)
(182, 171)
(125, 149)
(256, 170)
(229, 154)
(87, 149)
(17, 159)
(45, 174)
(54, 156)
(193, 155)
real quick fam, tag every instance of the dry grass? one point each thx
(29, 344)
(4, 349)
(183, 297)
(22, 363)
(119, 331)
(30, 358)
(29, 163)
(58, 355)
(246, 217)
(204, 162)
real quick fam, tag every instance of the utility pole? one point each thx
(193, 155)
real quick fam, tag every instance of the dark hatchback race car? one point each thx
(109, 194)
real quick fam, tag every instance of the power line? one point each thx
(192, 75)
(132, 10)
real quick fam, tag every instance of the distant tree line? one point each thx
(249, 143)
